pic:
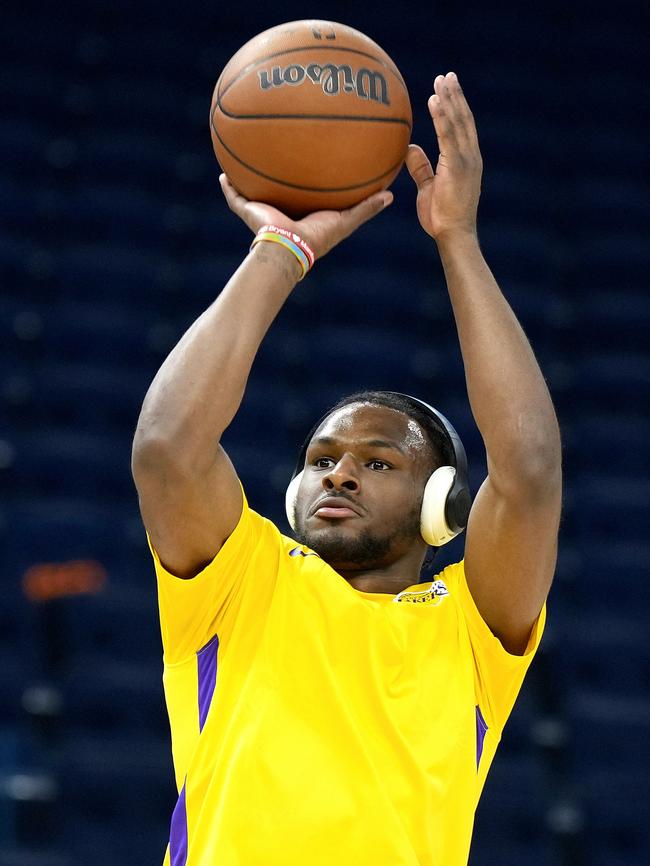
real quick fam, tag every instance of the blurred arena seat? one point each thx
(522, 836)
(115, 237)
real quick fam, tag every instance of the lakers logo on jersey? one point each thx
(434, 595)
(298, 551)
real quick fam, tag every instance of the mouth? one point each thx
(335, 508)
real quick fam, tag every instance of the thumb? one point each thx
(355, 216)
(418, 165)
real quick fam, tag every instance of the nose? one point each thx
(343, 476)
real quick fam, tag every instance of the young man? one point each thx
(318, 714)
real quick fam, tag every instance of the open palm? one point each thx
(322, 229)
(448, 198)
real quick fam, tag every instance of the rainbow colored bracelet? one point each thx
(291, 241)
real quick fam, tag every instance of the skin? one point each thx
(190, 496)
(378, 549)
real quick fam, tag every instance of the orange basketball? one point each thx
(310, 115)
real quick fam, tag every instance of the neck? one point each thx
(379, 583)
(391, 579)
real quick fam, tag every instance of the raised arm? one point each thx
(511, 544)
(190, 497)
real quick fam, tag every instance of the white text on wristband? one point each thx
(292, 241)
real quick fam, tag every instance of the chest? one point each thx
(335, 651)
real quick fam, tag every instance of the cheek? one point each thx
(401, 497)
(414, 494)
(307, 491)
(300, 497)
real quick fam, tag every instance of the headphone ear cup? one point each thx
(290, 500)
(433, 524)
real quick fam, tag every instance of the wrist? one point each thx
(456, 237)
(291, 241)
(279, 258)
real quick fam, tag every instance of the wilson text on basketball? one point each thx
(333, 79)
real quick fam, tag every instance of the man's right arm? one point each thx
(190, 496)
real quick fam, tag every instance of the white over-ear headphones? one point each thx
(446, 500)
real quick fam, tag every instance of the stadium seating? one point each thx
(115, 237)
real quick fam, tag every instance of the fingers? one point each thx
(236, 202)
(355, 216)
(418, 165)
(442, 121)
(452, 118)
(252, 213)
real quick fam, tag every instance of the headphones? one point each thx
(446, 501)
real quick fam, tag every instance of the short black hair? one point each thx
(441, 447)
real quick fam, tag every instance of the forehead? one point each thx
(366, 421)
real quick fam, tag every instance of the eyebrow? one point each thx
(370, 443)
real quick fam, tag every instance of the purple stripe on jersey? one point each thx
(207, 672)
(481, 731)
(178, 833)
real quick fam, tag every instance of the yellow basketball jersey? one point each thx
(313, 723)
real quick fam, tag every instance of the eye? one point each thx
(323, 462)
(379, 465)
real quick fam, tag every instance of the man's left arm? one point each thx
(511, 544)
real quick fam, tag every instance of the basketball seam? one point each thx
(358, 117)
(298, 186)
(395, 71)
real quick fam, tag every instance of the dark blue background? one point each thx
(114, 237)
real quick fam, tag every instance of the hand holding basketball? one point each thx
(447, 200)
(322, 230)
(310, 115)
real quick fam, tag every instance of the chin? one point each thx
(340, 548)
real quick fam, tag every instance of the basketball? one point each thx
(310, 115)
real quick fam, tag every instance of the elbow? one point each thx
(149, 454)
(156, 464)
(545, 457)
(156, 455)
(531, 466)
(541, 474)
(157, 444)
(539, 455)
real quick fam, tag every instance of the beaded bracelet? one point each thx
(291, 241)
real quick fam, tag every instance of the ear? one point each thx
(433, 524)
(290, 500)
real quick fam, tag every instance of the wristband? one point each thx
(291, 241)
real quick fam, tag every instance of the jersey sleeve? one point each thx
(193, 611)
(498, 674)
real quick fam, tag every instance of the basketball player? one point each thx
(325, 706)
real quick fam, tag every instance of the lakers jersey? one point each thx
(313, 723)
